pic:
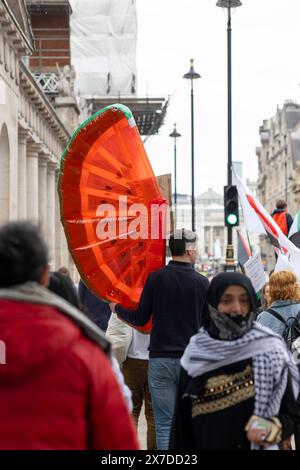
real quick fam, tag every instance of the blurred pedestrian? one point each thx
(284, 299)
(264, 301)
(131, 348)
(175, 298)
(57, 387)
(96, 309)
(283, 308)
(64, 270)
(283, 219)
(62, 285)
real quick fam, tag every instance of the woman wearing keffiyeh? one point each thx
(235, 372)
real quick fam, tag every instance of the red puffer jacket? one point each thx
(57, 390)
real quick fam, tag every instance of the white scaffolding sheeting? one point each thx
(103, 44)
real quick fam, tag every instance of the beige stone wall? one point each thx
(275, 169)
(8, 130)
(32, 139)
(277, 179)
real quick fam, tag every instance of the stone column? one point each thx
(211, 240)
(13, 175)
(200, 227)
(51, 219)
(32, 182)
(22, 174)
(65, 256)
(58, 232)
(43, 196)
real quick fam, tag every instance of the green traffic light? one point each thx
(232, 219)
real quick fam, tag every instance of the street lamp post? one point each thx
(229, 4)
(192, 75)
(175, 135)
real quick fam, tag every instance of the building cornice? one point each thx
(9, 24)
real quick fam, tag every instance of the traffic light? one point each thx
(231, 206)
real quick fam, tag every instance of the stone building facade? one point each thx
(32, 136)
(278, 164)
(278, 156)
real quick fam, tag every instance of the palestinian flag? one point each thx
(294, 233)
(244, 252)
(258, 220)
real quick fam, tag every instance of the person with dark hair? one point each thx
(238, 382)
(283, 219)
(175, 298)
(64, 270)
(58, 369)
(95, 308)
(62, 285)
(264, 298)
(23, 255)
(130, 348)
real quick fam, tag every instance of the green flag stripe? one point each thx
(298, 221)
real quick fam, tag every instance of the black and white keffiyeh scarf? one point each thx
(272, 363)
(228, 326)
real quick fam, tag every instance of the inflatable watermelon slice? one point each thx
(112, 210)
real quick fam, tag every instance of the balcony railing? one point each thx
(48, 82)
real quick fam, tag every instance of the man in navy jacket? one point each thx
(175, 297)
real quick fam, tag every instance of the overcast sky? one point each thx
(265, 72)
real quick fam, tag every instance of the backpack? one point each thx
(292, 329)
(280, 219)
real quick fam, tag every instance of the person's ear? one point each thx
(44, 281)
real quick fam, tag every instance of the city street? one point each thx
(149, 226)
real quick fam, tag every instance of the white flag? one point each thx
(251, 208)
(285, 264)
(251, 219)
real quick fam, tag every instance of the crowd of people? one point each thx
(212, 374)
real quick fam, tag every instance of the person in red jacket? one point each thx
(57, 387)
(282, 217)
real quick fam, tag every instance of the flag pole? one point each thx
(249, 241)
(246, 231)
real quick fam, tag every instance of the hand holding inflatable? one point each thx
(112, 210)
